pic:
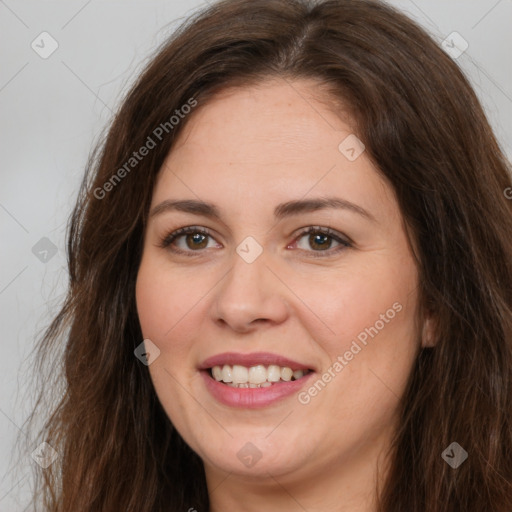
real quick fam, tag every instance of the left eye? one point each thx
(321, 239)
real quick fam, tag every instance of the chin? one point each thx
(255, 455)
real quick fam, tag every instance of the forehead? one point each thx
(267, 143)
(279, 115)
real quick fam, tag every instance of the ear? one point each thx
(429, 332)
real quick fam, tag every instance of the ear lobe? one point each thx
(428, 333)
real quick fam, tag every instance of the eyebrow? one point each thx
(281, 211)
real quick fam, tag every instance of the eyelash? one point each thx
(171, 237)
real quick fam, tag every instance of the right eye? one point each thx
(195, 240)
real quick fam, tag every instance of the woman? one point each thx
(290, 278)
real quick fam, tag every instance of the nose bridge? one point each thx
(249, 291)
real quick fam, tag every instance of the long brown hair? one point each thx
(424, 129)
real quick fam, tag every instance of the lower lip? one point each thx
(252, 398)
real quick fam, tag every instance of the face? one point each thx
(267, 280)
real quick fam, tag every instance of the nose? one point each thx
(250, 294)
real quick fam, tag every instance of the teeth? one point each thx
(274, 373)
(217, 373)
(240, 374)
(286, 374)
(227, 374)
(256, 376)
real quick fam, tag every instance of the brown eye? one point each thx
(195, 240)
(320, 240)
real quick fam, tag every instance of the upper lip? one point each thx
(252, 359)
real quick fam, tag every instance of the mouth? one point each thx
(253, 380)
(258, 376)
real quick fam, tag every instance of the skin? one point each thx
(246, 151)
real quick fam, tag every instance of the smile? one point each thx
(258, 376)
(253, 380)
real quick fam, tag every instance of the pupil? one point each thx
(320, 239)
(197, 237)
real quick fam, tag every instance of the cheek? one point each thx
(165, 299)
(152, 303)
(377, 299)
(368, 328)
(164, 305)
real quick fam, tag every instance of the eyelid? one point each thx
(326, 230)
(344, 241)
(173, 235)
(184, 230)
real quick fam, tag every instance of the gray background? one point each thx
(52, 111)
